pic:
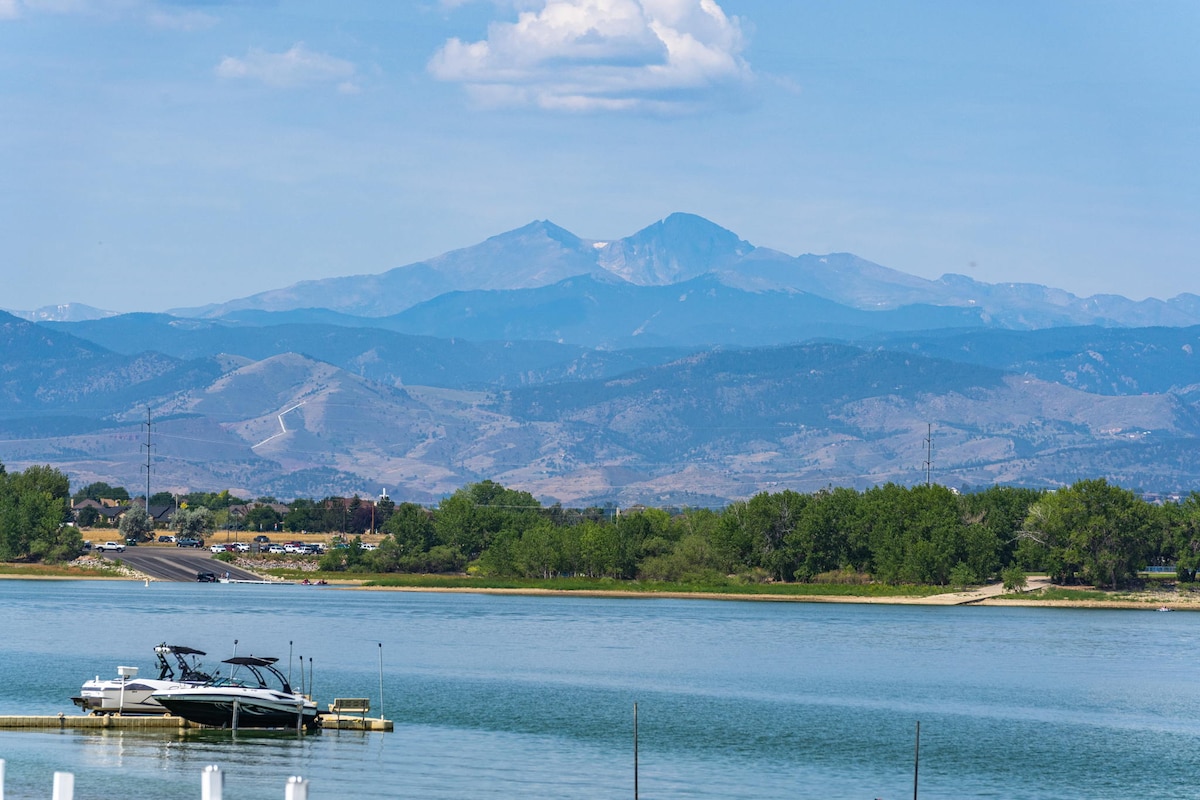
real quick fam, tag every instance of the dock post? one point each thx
(212, 781)
(236, 709)
(1, 779)
(64, 786)
(296, 789)
(635, 753)
(916, 759)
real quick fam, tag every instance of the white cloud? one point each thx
(298, 66)
(664, 55)
(9, 9)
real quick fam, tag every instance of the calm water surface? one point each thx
(521, 697)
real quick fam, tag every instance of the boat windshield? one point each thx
(225, 681)
(257, 667)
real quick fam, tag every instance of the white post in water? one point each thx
(64, 786)
(1, 779)
(296, 789)
(212, 780)
(380, 684)
(126, 673)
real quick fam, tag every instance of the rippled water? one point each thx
(506, 697)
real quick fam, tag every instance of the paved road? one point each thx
(176, 563)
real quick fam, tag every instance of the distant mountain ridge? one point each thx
(683, 247)
(63, 312)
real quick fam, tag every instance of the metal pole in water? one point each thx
(289, 662)
(635, 753)
(296, 789)
(212, 780)
(301, 675)
(236, 709)
(299, 716)
(1, 779)
(64, 786)
(916, 759)
(380, 684)
(310, 679)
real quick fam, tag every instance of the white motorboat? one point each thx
(263, 700)
(128, 694)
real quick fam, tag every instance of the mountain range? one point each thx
(682, 247)
(680, 365)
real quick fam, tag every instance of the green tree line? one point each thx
(1090, 532)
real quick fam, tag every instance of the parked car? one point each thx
(241, 547)
(166, 538)
(262, 539)
(206, 577)
(276, 548)
(132, 541)
(188, 541)
(120, 548)
(218, 548)
(87, 544)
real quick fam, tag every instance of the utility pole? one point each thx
(928, 452)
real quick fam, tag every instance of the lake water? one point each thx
(532, 697)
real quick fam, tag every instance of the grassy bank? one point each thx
(642, 587)
(16, 570)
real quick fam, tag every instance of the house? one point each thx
(161, 515)
(105, 514)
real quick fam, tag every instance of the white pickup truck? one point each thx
(120, 548)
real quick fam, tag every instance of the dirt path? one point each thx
(977, 595)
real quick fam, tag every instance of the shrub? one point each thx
(1014, 579)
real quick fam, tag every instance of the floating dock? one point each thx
(353, 722)
(96, 721)
(332, 722)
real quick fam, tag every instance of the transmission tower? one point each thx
(928, 453)
(147, 466)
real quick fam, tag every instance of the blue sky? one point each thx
(160, 154)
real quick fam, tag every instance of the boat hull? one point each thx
(137, 696)
(249, 710)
